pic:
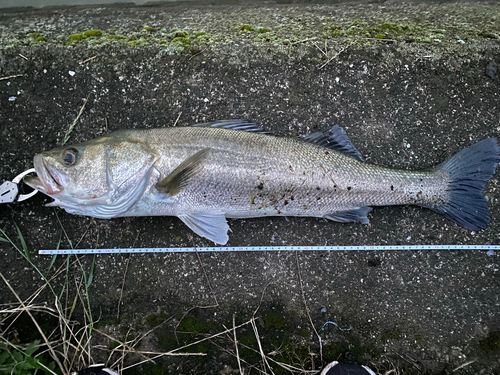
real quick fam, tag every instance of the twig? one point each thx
(206, 277)
(198, 53)
(302, 41)
(24, 57)
(123, 285)
(261, 351)
(123, 281)
(336, 55)
(307, 309)
(465, 364)
(14, 76)
(236, 346)
(83, 235)
(175, 123)
(68, 133)
(382, 40)
(323, 52)
(89, 59)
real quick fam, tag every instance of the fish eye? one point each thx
(70, 156)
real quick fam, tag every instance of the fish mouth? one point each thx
(48, 181)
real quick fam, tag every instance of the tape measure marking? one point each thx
(268, 248)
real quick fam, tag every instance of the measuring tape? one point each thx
(268, 248)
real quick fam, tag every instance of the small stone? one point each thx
(71, 73)
(491, 69)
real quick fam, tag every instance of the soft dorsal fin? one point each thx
(234, 125)
(336, 139)
(179, 178)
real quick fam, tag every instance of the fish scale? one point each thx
(312, 180)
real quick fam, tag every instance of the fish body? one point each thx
(229, 169)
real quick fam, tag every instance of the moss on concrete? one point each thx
(289, 27)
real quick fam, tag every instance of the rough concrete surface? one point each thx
(407, 81)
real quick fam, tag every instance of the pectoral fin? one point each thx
(211, 226)
(179, 178)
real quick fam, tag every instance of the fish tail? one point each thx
(468, 172)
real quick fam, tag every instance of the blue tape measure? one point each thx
(268, 248)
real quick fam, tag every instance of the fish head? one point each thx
(103, 177)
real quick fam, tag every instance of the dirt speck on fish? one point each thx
(208, 172)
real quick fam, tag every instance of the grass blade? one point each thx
(23, 243)
(91, 273)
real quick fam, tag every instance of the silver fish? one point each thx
(231, 169)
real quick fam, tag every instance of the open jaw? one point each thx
(49, 180)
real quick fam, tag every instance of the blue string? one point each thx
(336, 325)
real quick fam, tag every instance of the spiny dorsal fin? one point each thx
(336, 139)
(234, 125)
(179, 178)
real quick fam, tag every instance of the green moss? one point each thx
(358, 23)
(491, 343)
(263, 30)
(38, 37)
(167, 341)
(92, 33)
(380, 36)
(335, 350)
(181, 40)
(391, 26)
(155, 319)
(148, 28)
(488, 34)
(154, 369)
(191, 324)
(178, 33)
(76, 37)
(104, 323)
(114, 345)
(337, 33)
(200, 34)
(274, 319)
(246, 28)
(115, 37)
(138, 42)
(390, 335)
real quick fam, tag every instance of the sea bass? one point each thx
(208, 172)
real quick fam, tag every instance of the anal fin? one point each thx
(211, 226)
(355, 215)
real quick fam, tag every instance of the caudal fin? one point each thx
(469, 171)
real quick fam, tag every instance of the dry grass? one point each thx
(75, 342)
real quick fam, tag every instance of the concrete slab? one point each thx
(407, 81)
